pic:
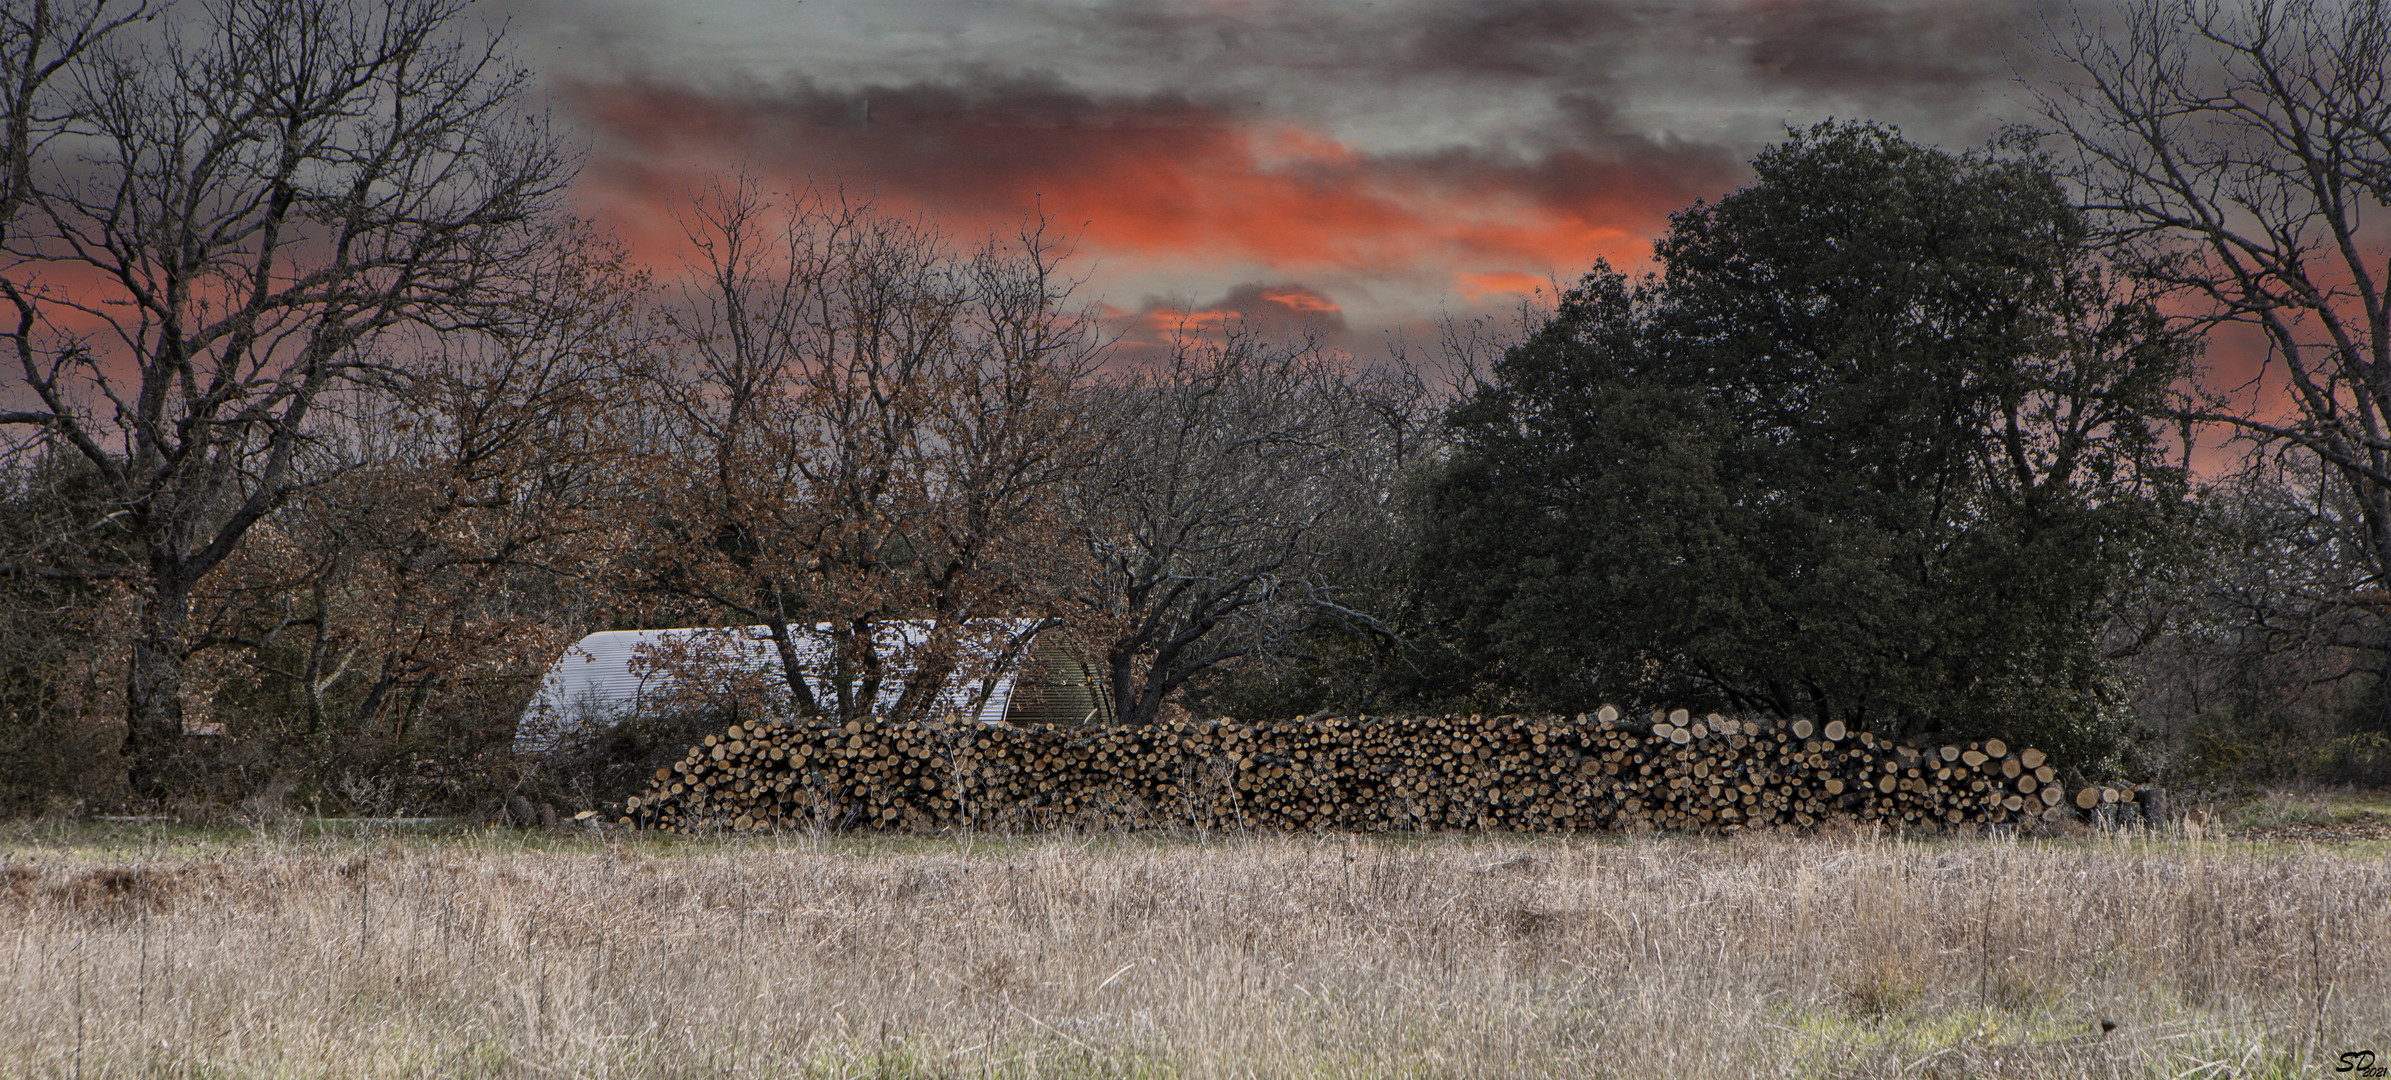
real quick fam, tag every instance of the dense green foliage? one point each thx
(1874, 444)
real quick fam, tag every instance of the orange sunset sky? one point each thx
(1355, 169)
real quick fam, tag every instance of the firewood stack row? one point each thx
(1518, 773)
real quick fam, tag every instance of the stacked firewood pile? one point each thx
(1519, 773)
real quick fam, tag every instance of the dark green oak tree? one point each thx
(1875, 443)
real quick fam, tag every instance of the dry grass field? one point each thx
(164, 953)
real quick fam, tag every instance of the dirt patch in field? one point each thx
(117, 892)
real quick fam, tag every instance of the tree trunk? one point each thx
(2375, 716)
(2374, 511)
(155, 760)
(792, 667)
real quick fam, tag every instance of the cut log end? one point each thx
(1714, 774)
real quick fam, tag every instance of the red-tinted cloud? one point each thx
(1282, 312)
(1284, 305)
(1164, 175)
(1476, 287)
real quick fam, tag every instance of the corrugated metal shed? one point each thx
(608, 676)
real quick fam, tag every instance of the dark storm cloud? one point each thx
(1567, 39)
(977, 144)
(1574, 43)
(1921, 46)
(1874, 45)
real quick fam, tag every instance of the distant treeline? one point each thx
(1892, 438)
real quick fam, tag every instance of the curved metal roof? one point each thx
(608, 676)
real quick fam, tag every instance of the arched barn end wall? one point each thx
(611, 675)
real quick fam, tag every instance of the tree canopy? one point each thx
(1873, 444)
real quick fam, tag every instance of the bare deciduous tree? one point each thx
(38, 42)
(468, 520)
(862, 427)
(1212, 518)
(233, 214)
(2270, 634)
(2238, 152)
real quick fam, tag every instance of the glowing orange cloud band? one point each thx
(1163, 179)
